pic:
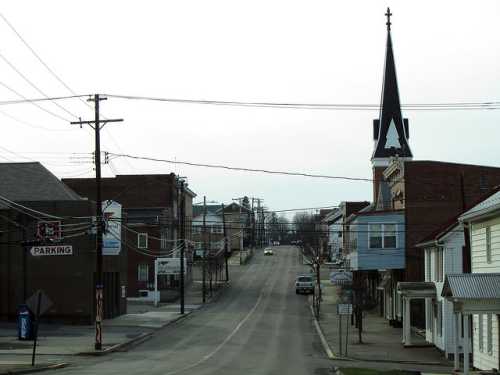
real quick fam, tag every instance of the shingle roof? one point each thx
(472, 286)
(32, 182)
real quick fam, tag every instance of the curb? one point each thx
(330, 355)
(132, 342)
(326, 347)
(36, 369)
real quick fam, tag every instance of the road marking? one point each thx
(228, 337)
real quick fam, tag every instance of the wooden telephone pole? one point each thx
(97, 124)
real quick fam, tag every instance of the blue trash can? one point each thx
(24, 323)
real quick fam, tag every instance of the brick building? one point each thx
(150, 204)
(32, 198)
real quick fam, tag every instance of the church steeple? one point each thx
(390, 131)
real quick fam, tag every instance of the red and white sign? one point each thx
(48, 230)
(38, 251)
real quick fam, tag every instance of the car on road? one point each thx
(268, 251)
(304, 284)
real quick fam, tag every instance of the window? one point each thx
(353, 238)
(439, 328)
(143, 272)
(438, 270)
(217, 229)
(142, 240)
(481, 332)
(489, 332)
(488, 244)
(382, 236)
(389, 236)
(375, 236)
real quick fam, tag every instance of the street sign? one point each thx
(341, 278)
(38, 251)
(344, 309)
(48, 230)
(45, 303)
(112, 234)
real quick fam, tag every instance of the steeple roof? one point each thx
(390, 131)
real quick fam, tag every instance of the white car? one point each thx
(268, 252)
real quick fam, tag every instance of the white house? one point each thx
(477, 294)
(443, 255)
(334, 221)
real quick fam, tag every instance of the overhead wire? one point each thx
(220, 166)
(40, 91)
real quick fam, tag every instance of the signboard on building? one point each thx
(341, 278)
(169, 266)
(48, 230)
(344, 309)
(38, 251)
(112, 235)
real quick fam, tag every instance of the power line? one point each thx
(32, 101)
(13, 67)
(240, 168)
(325, 106)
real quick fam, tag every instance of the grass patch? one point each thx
(367, 371)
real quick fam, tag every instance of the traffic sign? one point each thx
(45, 303)
(344, 309)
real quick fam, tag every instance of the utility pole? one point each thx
(240, 226)
(182, 219)
(97, 124)
(204, 262)
(226, 255)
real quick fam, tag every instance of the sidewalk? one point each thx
(57, 343)
(381, 342)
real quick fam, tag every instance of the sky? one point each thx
(272, 51)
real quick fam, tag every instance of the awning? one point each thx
(417, 289)
(473, 293)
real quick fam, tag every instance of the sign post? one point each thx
(343, 309)
(38, 303)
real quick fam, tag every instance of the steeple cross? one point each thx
(388, 15)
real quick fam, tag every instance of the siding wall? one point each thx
(452, 263)
(482, 359)
(364, 258)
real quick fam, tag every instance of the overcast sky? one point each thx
(277, 51)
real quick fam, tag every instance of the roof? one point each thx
(439, 233)
(472, 286)
(333, 216)
(417, 289)
(32, 182)
(390, 131)
(487, 206)
(211, 209)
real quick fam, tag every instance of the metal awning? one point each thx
(473, 292)
(472, 286)
(417, 289)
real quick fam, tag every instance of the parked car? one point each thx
(304, 284)
(268, 251)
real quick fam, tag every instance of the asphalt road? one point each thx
(257, 326)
